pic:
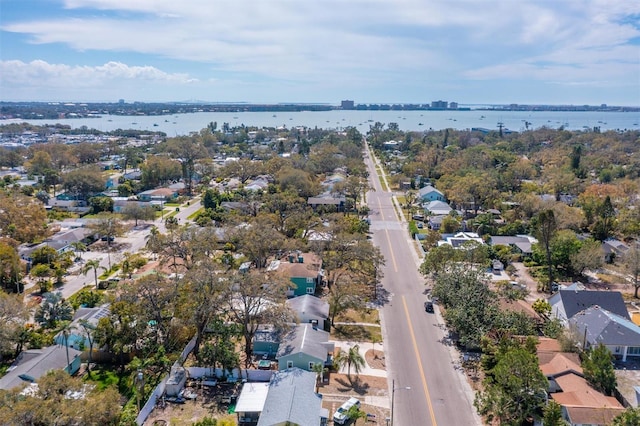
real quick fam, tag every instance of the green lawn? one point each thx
(196, 213)
(357, 333)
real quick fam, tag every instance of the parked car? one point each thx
(340, 416)
(428, 306)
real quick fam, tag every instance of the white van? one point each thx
(340, 416)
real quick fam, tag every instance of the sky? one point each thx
(321, 51)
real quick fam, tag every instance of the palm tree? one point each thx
(66, 331)
(88, 330)
(349, 358)
(355, 413)
(319, 369)
(78, 248)
(95, 265)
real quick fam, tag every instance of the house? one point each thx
(77, 338)
(597, 325)
(251, 402)
(304, 270)
(567, 303)
(304, 346)
(158, 194)
(266, 340)
(327, 200)
(429, 193)
(580, 403)
(520, 243)
(292, 400)
(458, 240)
(311, 309)
(435, 222)
(133, 175)
(613, 249)
(35, 363)
(437, 207)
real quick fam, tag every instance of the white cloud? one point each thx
(41, 73)
(363, 43)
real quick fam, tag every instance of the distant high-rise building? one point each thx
(453, 105)
(347, 104)
(439, 104)
(120, 101)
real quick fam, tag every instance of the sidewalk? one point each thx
(363, 348)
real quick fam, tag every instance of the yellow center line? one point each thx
(424, 379)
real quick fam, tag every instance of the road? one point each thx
(415, 341)
(132, 242)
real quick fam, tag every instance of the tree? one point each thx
(78, 248)
(88, 329)
(630, 417)
(94, 265)
(250, 299)
(354, 413)
(319, 369)
(598, 369)
(13, 316)
(101, 204)
(54, 309)
(589, 257)
(515, 388)
(186, 150)
(350, 358)
(545, 226)
(438, 260)
(42, 273)
(158, 170)
(260, 241)
(202, 299)
(84, 181)
(50, 404)
(136, 212)
(22, 218)
(631, 263)
(66, 330)
(108, 226)
(552, 414)
(606, 220)
(10, 268)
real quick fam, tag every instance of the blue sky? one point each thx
(373, 51)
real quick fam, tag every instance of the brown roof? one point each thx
(519, 306)
(559, 363)
(593, 416)
(307, 269)
(546, 344)
(576, 392)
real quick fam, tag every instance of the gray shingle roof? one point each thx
(607, 328)
(292, 398)
(577, 301)
(35, 363)
(305, 338)
(309, 305)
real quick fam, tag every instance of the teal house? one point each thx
(304, 270)
(304, 346)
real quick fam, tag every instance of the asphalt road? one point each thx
(134, 241)
(417, 354)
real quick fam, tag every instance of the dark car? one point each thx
(428, 306)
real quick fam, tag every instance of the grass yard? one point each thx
(359, 333)
(196, 213)
(370, 316)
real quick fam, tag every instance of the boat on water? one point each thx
(420, 124)
(274, 115)
(155, 124)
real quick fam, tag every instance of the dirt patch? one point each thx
(375, 359)
(209, 401)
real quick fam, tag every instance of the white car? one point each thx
(340, 416)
